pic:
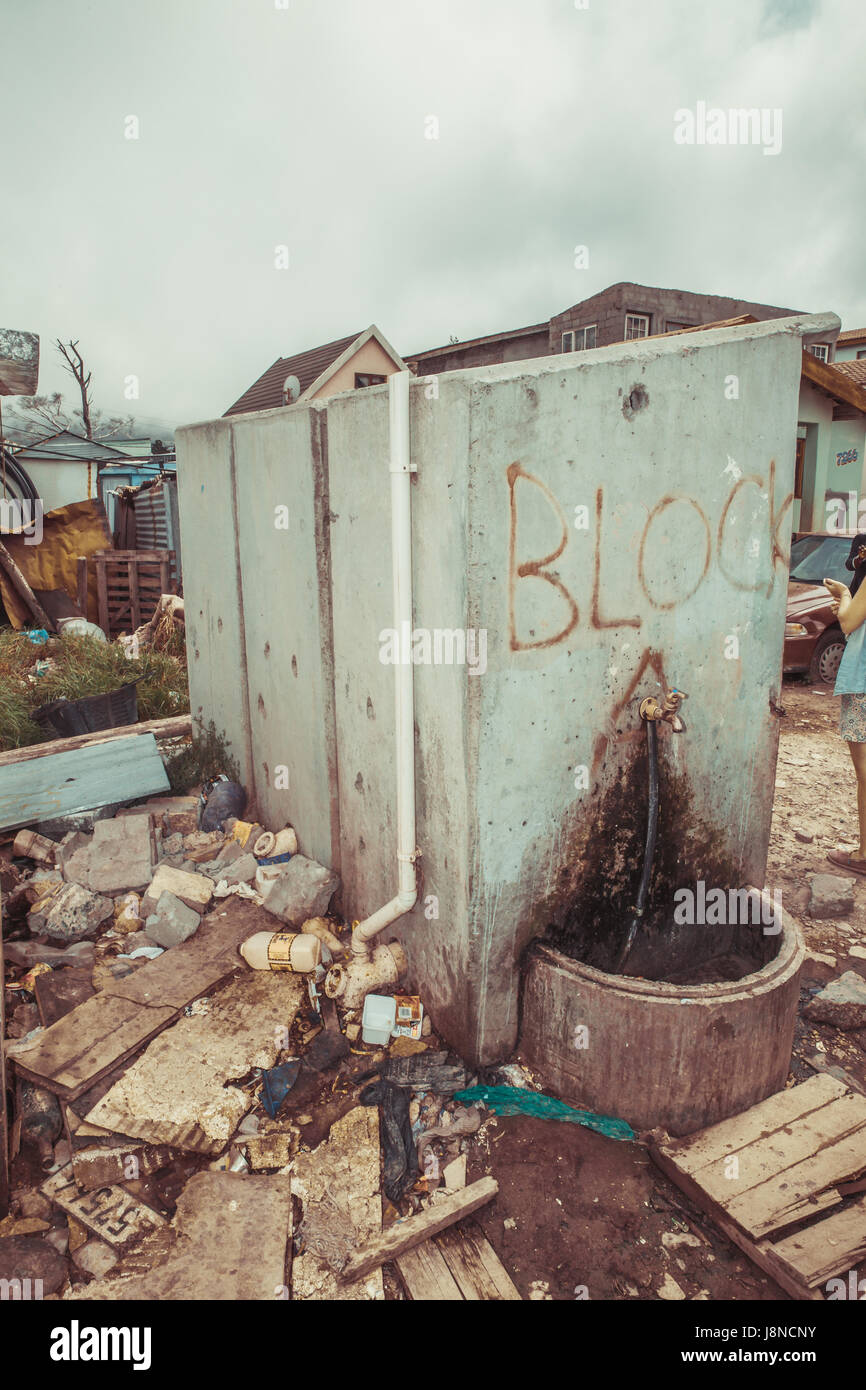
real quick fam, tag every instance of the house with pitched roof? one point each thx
(65, 467)
(349, 364)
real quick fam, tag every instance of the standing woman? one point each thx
(851, 685)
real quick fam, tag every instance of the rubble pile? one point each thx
(167, 1029)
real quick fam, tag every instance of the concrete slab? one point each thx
(179, 1092)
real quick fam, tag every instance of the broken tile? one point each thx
(194, 890)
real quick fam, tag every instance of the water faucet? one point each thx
(651, 710)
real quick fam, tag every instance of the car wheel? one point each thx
(826, 657)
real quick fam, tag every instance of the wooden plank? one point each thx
(828, 1247)
(476, 1267)
(134, 610)
(23, 590)
(416, 1229)
(62, 991)
(80, 780)
(765, 1118)
(81, 576)
(800, 1191)
(111, 1213)
(760, 1252)
(426, 1275)
(102, 594)
(5, 1159)
(73, 1054)
(175, 726)
(766, 1158)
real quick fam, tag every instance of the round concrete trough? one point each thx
(678, 1057)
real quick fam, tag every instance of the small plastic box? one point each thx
(378, 1019)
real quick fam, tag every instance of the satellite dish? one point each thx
(291, 390)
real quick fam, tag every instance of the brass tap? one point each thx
(653, 711)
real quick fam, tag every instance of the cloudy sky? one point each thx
(305, 123)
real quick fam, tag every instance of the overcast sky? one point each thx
(264, 123)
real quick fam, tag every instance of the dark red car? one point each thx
(814, 641)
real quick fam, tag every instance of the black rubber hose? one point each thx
(650, 847)
(20, 478)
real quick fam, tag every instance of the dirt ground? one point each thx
(579, 1215)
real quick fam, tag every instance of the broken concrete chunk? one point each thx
(298, 890)
(95, 1257)
(242, 870)
(194, 890)
(203, 845)
(29, 1259)
(172, 844)
(172, 922)
(69, 845)
(842, 1003)
(119, 857)
(70, 914)
(272, 1150)
(831, 896)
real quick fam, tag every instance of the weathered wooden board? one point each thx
(61, 991)
(774, 1113)
(99, 774)
(475, 1265)
(82, 1047)
(415, 1229)
(792, 1153)
(828, 1247)
(175, 726)
(111, 1213)
(426, 1275)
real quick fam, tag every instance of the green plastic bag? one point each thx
(511, 1100)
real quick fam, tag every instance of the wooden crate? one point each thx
(129, 585)
(773, 1180)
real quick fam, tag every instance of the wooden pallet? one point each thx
(458, 1265)
(129, 586)
(769, 1178)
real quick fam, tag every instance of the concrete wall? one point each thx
(614, 522)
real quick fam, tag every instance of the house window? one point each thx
(673, 327)
(861, 353)
(819, 350)
(579, 339)
(636, 326)
(368, 379)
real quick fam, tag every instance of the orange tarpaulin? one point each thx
(67, 532)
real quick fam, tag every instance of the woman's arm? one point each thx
(851, 612)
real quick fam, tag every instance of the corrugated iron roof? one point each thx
(267, 392)
(66, 445)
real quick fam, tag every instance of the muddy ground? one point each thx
(577, 1211)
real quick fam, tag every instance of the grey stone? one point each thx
(831, 896)
(34, 1204)
(230, 851)
(29, 953)
(118, 858)
(58, 1239)
(243, 870)
(842, 1003)
(303, 889)
(136, 939)
(24, 1018)
(68, 846)
(172, 923)
(28, 1257)
(71, 915)
(95, 1257)
(172, 845)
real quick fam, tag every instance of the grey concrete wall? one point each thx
(681, 453)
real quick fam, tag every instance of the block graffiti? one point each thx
(725, 543)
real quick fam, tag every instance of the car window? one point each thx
(815, 558)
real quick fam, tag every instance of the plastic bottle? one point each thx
(282, 950)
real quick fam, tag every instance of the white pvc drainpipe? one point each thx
(366, 970)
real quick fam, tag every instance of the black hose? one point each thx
(19, 477)
(650, 847)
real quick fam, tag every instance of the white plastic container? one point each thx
(282, 951)
(378, 1019)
